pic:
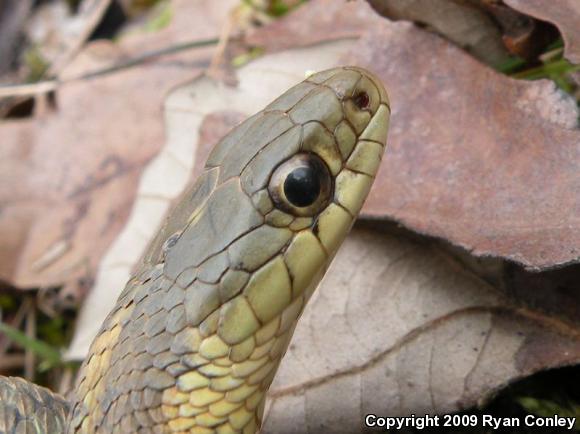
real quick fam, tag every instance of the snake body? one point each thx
(197, 334)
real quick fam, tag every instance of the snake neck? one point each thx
(167, 359)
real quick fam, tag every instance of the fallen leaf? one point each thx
(471, 149)
(69, 177)
(465, 23)
(335, 20)
(564, 14)
(397, 328)
(469, 162)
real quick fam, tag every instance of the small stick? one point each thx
(50, 85)
(66, 381)
(9, 362)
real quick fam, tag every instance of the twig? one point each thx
(28, 89)
(221, 46)
(145, 57)
(50, 85)
(10, 362)
(66, 381)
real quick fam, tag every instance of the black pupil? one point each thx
(302, 186)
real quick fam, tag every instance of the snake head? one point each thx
(278, 195)
(305, 162)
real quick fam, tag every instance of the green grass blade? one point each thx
(44, 351)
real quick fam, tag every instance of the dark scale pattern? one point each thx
(30, 409)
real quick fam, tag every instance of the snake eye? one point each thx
(362, 100)
(301, 185)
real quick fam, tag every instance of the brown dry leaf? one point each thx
(470, 162)
(489, 30)
(465, 23)
(471, 149)
(334, 20)
(69, 177)
(564, 14)
(397, 328)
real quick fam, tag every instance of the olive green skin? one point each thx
(196, 337)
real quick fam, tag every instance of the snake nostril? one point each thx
(362, 100)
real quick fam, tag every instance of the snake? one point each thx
(197, 334)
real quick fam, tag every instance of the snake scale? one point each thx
(196, 336)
